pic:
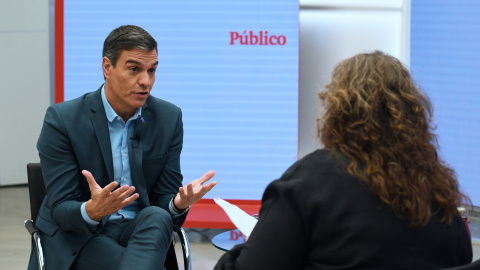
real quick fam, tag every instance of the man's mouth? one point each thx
(143, 94)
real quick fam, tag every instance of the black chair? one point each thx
(36, 189)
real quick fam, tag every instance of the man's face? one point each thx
(128, 84)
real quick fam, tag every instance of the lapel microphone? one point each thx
(136, 137)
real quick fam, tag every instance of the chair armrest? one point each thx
(30, 227)
(32, 230)
(187, 259)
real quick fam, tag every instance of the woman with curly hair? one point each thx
(377, 196)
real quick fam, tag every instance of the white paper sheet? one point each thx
(243, 221)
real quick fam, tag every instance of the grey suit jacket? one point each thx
(75, 137)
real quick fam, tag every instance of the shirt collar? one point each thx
(110, 112)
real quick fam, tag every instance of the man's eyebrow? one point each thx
(139, 63)
(133, 62)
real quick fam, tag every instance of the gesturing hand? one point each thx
(194, 191)
(104, 201)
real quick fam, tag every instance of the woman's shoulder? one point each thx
(318, 162)
(319, 168)
(316, 180)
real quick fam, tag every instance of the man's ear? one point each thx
(106, 66)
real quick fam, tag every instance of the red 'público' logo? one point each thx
(262, 38)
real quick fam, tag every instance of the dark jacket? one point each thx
(317, 216)
(75, 137)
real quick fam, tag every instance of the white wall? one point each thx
(333, 30)
(24, 84)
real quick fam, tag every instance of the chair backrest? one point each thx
(36, 188)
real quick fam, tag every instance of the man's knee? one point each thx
(156, 216)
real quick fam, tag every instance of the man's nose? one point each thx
(144, 79)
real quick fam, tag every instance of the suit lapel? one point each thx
(136, 157)
(100, 125)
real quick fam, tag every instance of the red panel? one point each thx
(207, 214)
(59, 85)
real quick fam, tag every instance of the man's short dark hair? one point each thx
(127, 37)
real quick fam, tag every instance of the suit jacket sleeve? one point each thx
(61, 175)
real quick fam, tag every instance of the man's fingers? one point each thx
(209, 186)
(94, 185)
(186, 192)
(91, 181)
(195, 190)
(111, 186)
(107, 200)
(190, 190)
(207, 176)
(205, 189)
(130, 199)
(123, 192)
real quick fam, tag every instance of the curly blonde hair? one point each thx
(377, 117)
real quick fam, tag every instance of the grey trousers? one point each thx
(141, 243)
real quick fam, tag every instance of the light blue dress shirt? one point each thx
(120, 134)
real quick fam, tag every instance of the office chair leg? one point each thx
(187, 259)
(32, 230)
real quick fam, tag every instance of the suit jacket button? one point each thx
(74, 252)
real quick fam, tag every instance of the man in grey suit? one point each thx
(111, 165)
